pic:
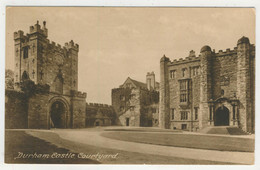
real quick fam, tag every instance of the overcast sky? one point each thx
(116, 43)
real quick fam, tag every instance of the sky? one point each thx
(120, 42)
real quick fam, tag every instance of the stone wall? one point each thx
(15, 110)
(38, 109)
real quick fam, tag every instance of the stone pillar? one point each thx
(164, 110)
(205, 87)
(243, 83)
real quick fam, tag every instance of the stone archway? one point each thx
(58, 115)
(221, 117)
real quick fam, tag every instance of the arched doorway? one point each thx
(221, 117)
(58, 117)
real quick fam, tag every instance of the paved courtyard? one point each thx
(151, 145)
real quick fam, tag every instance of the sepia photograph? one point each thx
(130, 85)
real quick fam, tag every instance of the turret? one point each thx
(206, 115)
(243, 82)
(164, 110)
(36, 29)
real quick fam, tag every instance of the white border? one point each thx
(153, 3)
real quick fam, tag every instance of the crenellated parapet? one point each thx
(72, 45)
(191, 58)
(79, 94)
(100, 105)
(37, 29)
(228, 51)
(19, 35)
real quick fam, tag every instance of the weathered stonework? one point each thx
(215, 84)
(48, 76)
(136, 103)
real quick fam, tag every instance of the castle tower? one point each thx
(28, 53)
(150, 80)
(73, 50)
(164, 110)
(206, 113)
(243, 84)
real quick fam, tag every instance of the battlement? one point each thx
(150, 73)
(188, 59)
(19, 35)
(75, 93)
(227, 52)
(37, 29)
(71, 45)
(100, 105)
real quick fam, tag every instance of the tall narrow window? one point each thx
(184, 90)
(184, 72)
(196, 113)
(172, 114)
(25, 52)
(173, 74)
(184, 115)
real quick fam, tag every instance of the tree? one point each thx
(9, 79)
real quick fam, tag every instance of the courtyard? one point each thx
(126, 145)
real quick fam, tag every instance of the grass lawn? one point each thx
(124, 157)
(19, 141)
(186, 140)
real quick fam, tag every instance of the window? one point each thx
(196, 113)
(184, 72)
(195, 71)
(183, 126)
(184, 89)
(172, 114)
(173, 74)
(184, 115)
(25, 52)
(129, 85)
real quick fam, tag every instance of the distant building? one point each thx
(212, 89)
(137, 103)
(99, 115)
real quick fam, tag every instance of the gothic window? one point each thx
(25, 52)
(184, 115)
(172, 114)
(173, 74)
(184, 91)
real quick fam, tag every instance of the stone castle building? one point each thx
(137, 103)
(212, 89)
(46, 92)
